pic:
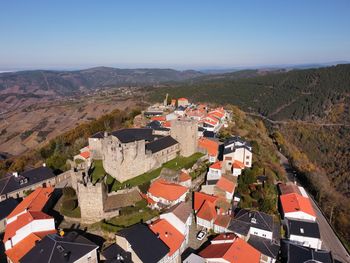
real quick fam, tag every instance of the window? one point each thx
(248, 157)
(246, 163)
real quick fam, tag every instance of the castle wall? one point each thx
(185, 131)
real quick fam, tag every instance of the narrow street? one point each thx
(330, 240)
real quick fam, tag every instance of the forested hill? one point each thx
(297, 94)
(45, 82)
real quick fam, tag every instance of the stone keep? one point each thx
(91, 201)
(185, 131)
(124, 161)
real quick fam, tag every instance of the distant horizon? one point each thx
(175, 67)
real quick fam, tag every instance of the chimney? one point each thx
(15, 174)
(166, 234)
(44, 164)
(105, 134)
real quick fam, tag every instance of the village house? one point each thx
(212, 212)
(69, 248)
(182, 102)
(304, 233)
(227, 186)
(180, 216)
(171, 237)
(215, 172)
(259, 230)
(166, 194)
(231, 249)
(144, 245)
(28, 223)
(209, 147)
(296, 206)
(16, 185)
(236, 149)
(293, 253)
(210, 123)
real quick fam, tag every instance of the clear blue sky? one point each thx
(178, 34)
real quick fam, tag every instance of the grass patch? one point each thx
(69, 203)
(97, 171)
(176, 164)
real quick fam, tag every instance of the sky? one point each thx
(177, 34)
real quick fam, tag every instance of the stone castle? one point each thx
(128, 153)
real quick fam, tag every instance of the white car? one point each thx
(201, 234)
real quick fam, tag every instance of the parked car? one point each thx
(201, 234)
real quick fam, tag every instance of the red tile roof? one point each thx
(158, 118)
(85, 155)
(168, 234)
(238, 165)
(166, 190)
(212, 147)
(217, 165)
(207, 211)
(238, 251)
(200, 198)
(183, 99)
(35, 201)
(222, 220)
(183, 177)
(226, 185)
(294, 203)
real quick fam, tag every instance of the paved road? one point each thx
(329, 239)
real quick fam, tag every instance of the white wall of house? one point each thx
(175, 222)
(214, 174)
(32, 227)
(220, 229)
(236, 171)
(167, 202)
(260, 232)
(266, 259)
(214, 260)
(229, 195)
(205, 223)
(300, 215)
(306, 241)
(212, 158)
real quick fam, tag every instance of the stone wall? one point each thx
(95, 146)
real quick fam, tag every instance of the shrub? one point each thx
(69, 192)
(70, 204)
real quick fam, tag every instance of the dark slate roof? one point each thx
(266, 246)
(9, 183)
(147, 246)
(298, 254)
(134, 134)
(160, 144)
(209, 134)
(115, 254)
(180, 108)
(201, 129)
(244, 219)
(7, 206)
(56, 249)
(303, 228)
(154, 124)
(98, 135)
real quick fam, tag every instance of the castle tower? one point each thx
(91, 201)
(185, 131)
(165, 103)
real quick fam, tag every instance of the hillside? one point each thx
(307, 113)
(28, 87)
(298, 94)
